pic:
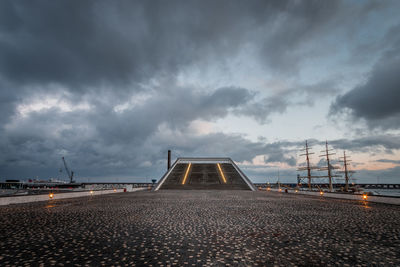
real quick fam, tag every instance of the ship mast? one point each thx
(308, 167)
(329, 167)
(347, 172)
(327, 154)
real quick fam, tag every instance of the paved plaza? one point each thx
(197, 228)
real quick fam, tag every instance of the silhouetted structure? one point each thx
(205, 173)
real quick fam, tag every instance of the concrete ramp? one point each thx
(205, 173)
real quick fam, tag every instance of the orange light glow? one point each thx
(51, 195)
(321, 193)
(268, 188)
(222, 173)
(115, 190)
(91, 192)
(280, 189)
(296, 191)
(186, 174)
(365, 197)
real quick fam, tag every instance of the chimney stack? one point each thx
(169, 160)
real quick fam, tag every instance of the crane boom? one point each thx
(70, 174)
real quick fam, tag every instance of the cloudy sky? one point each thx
(112, 85)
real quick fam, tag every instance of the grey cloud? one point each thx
(107, 141)
(8, 100)
(92, 153)
(234, 146)
(302, 95)
(277, 152)
(303, 22)
(177, 108)
(322, 89)
(93, 46)
(92, 43)
(389, 161)
(368, 143)
(299, 22)
(261, 110)
(376, 101)
(104, 52)
(129, 144)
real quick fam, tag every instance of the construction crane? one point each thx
(70, 174)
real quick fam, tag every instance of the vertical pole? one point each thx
(345, 172)
(308, 167)
(329, 167)
(169, 160)
(279, 179)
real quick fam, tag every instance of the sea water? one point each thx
(384, 192)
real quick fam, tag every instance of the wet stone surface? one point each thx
(212, 228)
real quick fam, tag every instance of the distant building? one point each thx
(205, 173)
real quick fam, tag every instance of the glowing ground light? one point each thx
(268, 188)
(91, 192)
(365, 197)
(280, 189)
(115, 190)
(186, 174)
(222, 173)
(321, 193)
(51, 195)
(296, 191)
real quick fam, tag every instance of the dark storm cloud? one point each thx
(103, 53)
(135, 145)
(92, 46)
(109, 141)
(8, 100)
(89, 43)
(377, 100)
(299, 23)
(178, 108)
(87, 46)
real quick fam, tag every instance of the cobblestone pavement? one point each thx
(215, 228)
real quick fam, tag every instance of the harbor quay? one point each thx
(200, 228)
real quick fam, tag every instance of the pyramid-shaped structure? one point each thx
(205, 173)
